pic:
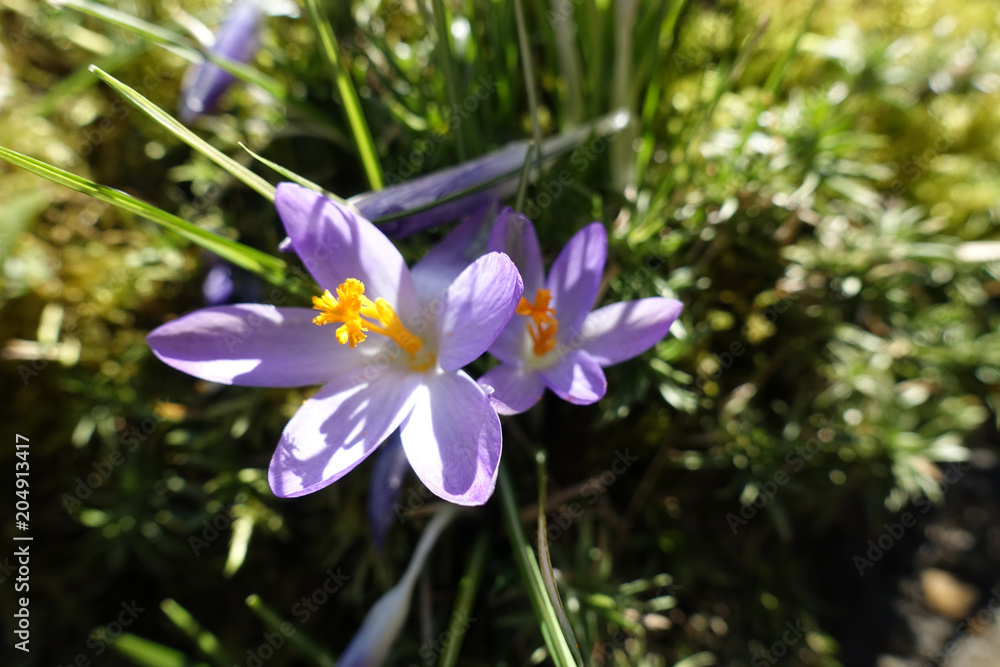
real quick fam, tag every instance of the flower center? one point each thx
(543, 325)
(358, 314)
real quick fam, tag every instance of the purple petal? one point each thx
(335, 243)
(426, 190)
(255, 345)
(623, 330)
(444, 262)
(452, 439)
(385, 488)
(575, 277)
(515, 235)
(576, 378)
(237, 39)
(476, 308)
(514, 389)
(337, 429)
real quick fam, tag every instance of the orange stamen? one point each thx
(351, 305)
(543, 325)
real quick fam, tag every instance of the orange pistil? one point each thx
(543, 325)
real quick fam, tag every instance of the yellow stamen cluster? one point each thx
(543, 325)
(351, 305)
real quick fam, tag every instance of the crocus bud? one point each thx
(237, 39)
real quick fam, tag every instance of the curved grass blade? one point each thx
(545, 562)
(524, 556)
(175, 127)
(292, 176)
(271, 269)
(465, 599)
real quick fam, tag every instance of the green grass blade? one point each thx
(176, 128)
(465, 599)
(348, 97)
(267, 267)
(529, 71)
(188, 624)
(528, 566)
(442, 49)
(292, 176)
(146, 653)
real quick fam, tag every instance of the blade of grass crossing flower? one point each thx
(555, 641)
(146, 653)
(271, 269)
(348, 97)
(292, 176)
(188, 624)
(522, 187)
(545, 562)
(304, 644)
(529, 70)
(175, 127)
(466, 598)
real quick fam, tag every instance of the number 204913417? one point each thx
(21, 470)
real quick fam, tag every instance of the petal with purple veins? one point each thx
(337, 429)
(575, 276)
(476, 308)
(452, 439)
(576, 378)
(336, 243)
(255, 345)
(623, 330)
(514, 390)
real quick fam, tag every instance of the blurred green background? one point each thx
(817, 182)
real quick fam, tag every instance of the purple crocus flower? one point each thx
(237, 39)
(392, 358)
(557, 341)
